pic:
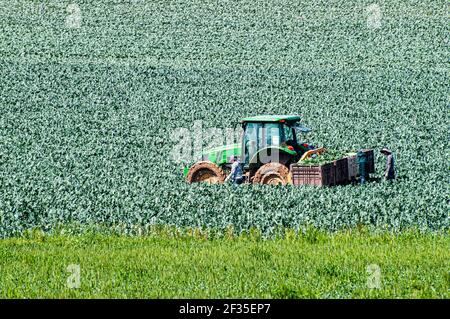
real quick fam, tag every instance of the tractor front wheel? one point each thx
(272, 174)
(205, 172)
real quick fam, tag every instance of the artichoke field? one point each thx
(91, 91)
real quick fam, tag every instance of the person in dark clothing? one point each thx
(362, 163)
(389, 173)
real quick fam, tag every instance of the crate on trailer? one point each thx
(319, 175)
(352, 164)
(370, 165)
(328, 174)
(341, 171)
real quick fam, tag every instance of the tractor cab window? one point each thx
(288, 133)
(261, 135)
(252, 131)
(300, 130)
(272, 134)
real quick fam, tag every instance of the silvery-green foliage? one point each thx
(86, 111)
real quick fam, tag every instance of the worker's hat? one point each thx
(385, 150)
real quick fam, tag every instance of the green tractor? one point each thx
(269, 144)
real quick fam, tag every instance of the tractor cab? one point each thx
(272, 138)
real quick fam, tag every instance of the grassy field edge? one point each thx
(311, 264)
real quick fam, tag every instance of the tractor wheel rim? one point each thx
(272, 179)
(207, 177)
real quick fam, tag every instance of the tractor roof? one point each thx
(271, 118)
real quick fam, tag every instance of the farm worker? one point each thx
(362, 162)
(236, 172)
(389, 173)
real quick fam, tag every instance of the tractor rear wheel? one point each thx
(206, 172)
(272, 174)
